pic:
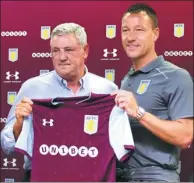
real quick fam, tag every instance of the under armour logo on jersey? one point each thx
(45, 122)
(114, 52)
(6, 162)
(9, 75)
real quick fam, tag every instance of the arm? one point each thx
(13, 125)
(179, 97)
(23, 109)
(178, 130)
(17, 128)
(7, 137)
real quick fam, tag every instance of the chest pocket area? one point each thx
(149, 95)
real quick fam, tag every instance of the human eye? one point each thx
(55, 50)
(139, 29)
(125, 30)
(69, 49)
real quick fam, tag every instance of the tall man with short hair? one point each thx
(158, 97)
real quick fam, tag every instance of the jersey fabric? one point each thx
(76, 139)
(50, 85)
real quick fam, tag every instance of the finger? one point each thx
(24, 114)
(114, 93)
(118, 92)
(129, 111)
(122, 105)
(122, 99)
(24, 105)
(21, 113)
(27, 100)
(21, 110)
(117, 99)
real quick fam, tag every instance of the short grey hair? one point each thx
(68, 28)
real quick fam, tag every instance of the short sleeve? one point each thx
(180, 95)
(7, 136)
(24, 143)
(120, 135)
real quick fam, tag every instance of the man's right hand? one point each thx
(23, 109)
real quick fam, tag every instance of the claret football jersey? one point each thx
(77, 139)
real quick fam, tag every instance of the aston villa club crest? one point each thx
(45, 32)
(110, 74)
(13, 54)
(110, 31)
(178, 30)
(143, 86)
(11, 97)
(90, 124)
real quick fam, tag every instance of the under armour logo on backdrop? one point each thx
(6, 162)
(45, 122)
(113, 53)
(9, 75)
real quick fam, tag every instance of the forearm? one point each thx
(17, 128)
(173, 132)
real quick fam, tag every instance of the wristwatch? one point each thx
(140, 112)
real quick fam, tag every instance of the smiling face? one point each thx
(68, 56)
(138, 35)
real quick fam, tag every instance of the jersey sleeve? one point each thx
(179, 95)
(120, 135)
(7, 136)
(24, 142)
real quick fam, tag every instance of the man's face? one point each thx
(138, 35)
(68, 56)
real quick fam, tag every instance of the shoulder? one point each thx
(177, 77)
(183, 78)
(35, 80)
(176, 72)
(173, 72)
(168, 67)
(39, 80)
(182, 73)
(99, 84)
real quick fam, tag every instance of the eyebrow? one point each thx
(62, 48)
(141, 26)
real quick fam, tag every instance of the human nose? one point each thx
(62, 55)
(130, 36)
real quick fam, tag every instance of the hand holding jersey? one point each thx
(23, 109)
(90, 132)
(126, 101)
(69, 50)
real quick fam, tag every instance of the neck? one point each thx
(143, 61)
(74, 84)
